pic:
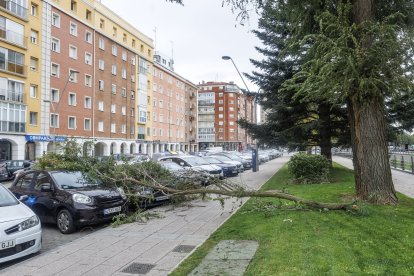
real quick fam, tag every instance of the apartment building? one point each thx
(220, 106)
(20, 61)
(174, 99)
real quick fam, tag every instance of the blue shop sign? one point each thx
(44, 138)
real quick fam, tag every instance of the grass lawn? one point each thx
(379, 241)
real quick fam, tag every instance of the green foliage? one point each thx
(308, 168)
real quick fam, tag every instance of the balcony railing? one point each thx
(15, 68)
(11, 96)
(205, 103)
(13, 37)
(14, 8)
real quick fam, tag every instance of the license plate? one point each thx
(112, 210)
(160, 198)
(6, 244)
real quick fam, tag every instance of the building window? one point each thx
(113, 128)
(34, 63)
(123, 129)
(71, 122)
(73, 52)
(54, 120)
(161, 118)
(113, 108)
(123, 92)
(113, 70)
(231, 115)
(88, 15)
(101, 23)
(88, 58)
(101, 84)
(55, 70)
(133, 60)
(132, 112)
(133, 43)
(113, 88)
(221, 123)
(88, 80)
(220, 101)
(123, 110)
(221, 94)
(72, 99)
(56, 20)
(73, 5)
(132, 95)
(114, 31)
(124, 73)
(33, 91)
(101, 64)
(55, 45)
(114, 50)
(101, 44)
(33, 8)
(33, 118)
(100, 126)
(73, 29)
(34, 36)
(231, 123)
(124, 38)
(87, 124)
(88, 102)
(124, 56)
(54, 95)
(220, 116)
(101, 106)
(149, 52)
(88, 36)
(73, 75)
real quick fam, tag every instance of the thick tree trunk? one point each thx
(325, 133)
(373, 179)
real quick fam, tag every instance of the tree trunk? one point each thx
(325, 133)
(373, 181)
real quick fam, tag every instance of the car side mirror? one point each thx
(46, 187)
(23, 197)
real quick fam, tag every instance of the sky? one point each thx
(197, 35)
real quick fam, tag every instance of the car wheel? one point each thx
(65, 222)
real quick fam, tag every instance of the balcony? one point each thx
(14, 68)
(11, 96)
(206, 103)
(14, 8)
(13, 37)
(6, 126)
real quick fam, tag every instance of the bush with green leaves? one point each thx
(308, 168)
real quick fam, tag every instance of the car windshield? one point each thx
(172, 167)
(73, 180)
(195, 161)
(7, 198)
(212, 160)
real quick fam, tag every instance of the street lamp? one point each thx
(229, 58)
(57, 106)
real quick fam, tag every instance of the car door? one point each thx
(44, 192)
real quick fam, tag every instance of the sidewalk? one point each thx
(152, 244)
(403, 182)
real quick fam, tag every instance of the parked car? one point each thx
(228, 160)
(246, 163)
(4, 172)
(16, 165)
(69, 199)
(180, 173)
(20, 230)
(228, 169)
(194, 163)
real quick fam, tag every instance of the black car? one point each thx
(69, 199)
(228, 170)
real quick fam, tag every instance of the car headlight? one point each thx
(121, 192)
(81, 198)
(28, 223)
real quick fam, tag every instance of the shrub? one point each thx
(307, 168)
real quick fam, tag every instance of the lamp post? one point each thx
(57, 107)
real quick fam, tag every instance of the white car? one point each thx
(20, 230)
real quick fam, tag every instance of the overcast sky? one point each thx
(199, 33)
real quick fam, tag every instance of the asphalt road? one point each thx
(52, 238)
